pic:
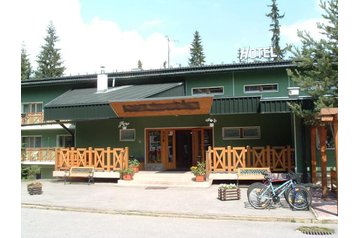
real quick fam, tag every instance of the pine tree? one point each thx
(140, 65)
(275, 28)
(197, 57)
(317, 64)
(49, 59)
(26, 68)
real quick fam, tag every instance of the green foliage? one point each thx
(317, 65)
(275, 28)
(197, 56)
(49, 59)
(228, 186)
(129, 170)
(133, 163)
(200, 169)
(26, 68)
(30, 172)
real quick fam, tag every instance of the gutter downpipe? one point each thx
(295, 139)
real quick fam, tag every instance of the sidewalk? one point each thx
(167, 201)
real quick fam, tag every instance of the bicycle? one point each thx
(261, 195)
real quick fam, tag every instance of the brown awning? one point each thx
(163, 107)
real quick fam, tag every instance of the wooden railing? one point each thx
(229, 159)
(32, 118)
(38, 154)
(102, 159)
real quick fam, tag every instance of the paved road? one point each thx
(38, 223)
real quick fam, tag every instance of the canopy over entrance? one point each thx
(163, 107)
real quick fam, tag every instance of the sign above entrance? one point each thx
(256, 53)
(163, 107)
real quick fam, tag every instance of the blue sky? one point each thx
(117, 34)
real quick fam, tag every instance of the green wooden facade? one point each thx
(95, 125)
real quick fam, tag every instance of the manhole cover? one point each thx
(315, 230)
(155, 188)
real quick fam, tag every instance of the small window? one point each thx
(127, 135)
(241, 133)
(31, 107)
(261, 88)
(31, 141)
(64, 141)
(208, 90)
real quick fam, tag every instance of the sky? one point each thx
(118, 33)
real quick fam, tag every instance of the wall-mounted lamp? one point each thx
(211, 121)
(123, 125)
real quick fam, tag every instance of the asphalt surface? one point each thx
(201, 203)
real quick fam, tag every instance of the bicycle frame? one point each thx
(274, 190)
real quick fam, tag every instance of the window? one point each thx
(31, 107)
(31, 141)
(64, 141)
(127, 135)
(208, 90)
(241, 133)
(261, 88)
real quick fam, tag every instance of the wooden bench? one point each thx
(80, 172)
(251, 173)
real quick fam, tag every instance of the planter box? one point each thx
(228, 194)
(34, 188)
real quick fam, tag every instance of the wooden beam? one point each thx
(323, 138)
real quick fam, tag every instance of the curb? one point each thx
(178, 215)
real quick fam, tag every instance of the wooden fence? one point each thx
(38, 154)
(102, 159)
(32, 118)
(229, 159)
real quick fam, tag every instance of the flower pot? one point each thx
(200, 178)
(127, 176)
(34, 188)
(135, 169)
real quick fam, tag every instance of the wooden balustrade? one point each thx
(229, 159)
(38, 154)
(32, 118)
(102, 159)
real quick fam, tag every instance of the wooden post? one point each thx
(248, 156)
(228, 153)
(323, 138)
(313, 155)
(268, 159)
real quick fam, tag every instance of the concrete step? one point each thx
(164, 179)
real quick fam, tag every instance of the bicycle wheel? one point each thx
(252, 186)
(299, 197)
(260, 196)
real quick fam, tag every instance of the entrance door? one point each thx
(169, 149)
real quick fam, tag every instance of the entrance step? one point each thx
(165, 179)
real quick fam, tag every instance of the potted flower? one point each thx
(134, 164)
(199, 171)
(228, 192)
(127, 174)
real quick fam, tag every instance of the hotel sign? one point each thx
(256, 53)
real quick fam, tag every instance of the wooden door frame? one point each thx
(164, 143)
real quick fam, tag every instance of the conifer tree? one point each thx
(140, 64)
(26, 68)
(197, 56)
(49, 59)
(317, 64)
(275, 28)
